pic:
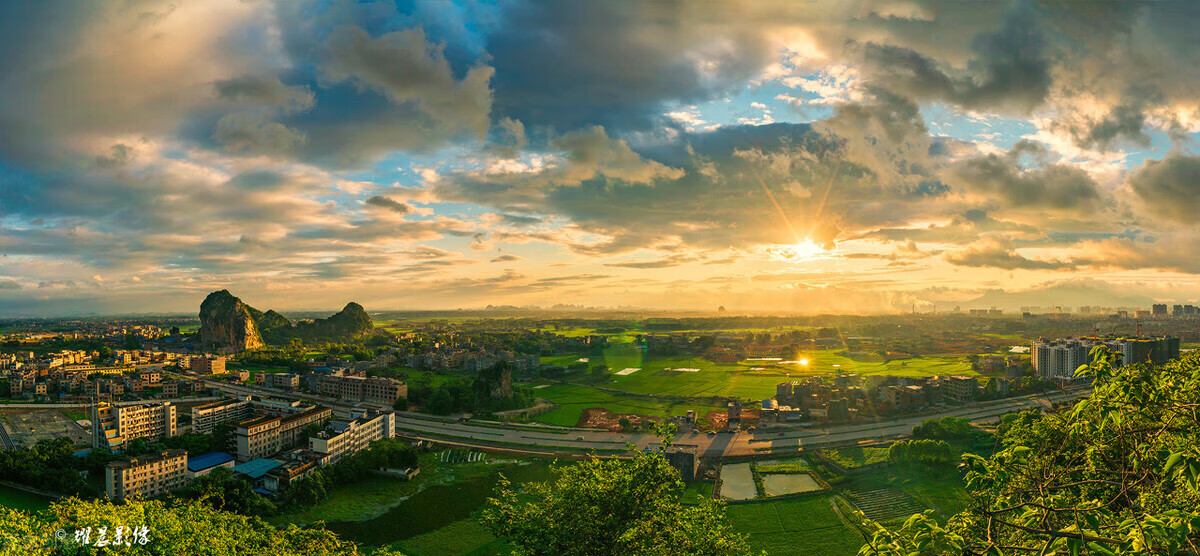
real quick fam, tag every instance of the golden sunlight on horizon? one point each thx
(805, 250)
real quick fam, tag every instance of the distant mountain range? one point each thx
(1066, 294)
(227, 323)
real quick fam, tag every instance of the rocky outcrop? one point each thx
(495, 382)
(351, 321)
(227, 324)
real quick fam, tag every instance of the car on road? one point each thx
(578, 438)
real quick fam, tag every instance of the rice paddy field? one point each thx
(807, 526)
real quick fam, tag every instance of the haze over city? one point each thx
(808, 157)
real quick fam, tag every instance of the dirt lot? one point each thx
(600, 418)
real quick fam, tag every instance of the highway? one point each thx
(550, 439)
(537, 439)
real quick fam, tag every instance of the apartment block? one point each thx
(291, 427)
(368, 389)
(351, 437)
(257, 438)
(209, 415)
(212, 365)
(113, 425)
(962, 388)
(146, 476)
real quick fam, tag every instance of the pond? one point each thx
(778, 485)
(737, 482)
(436, 506)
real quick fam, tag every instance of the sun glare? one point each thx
(804, 362)
(802, 251)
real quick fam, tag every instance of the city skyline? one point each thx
(796, 157)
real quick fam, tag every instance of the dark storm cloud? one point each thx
(997, 253)
(1052, 187)
(572, 63)
(1170, 187)
(262, 90)
(381, 83)
(389, 203)
(519, 220)
(673, 260)
(1009, 70)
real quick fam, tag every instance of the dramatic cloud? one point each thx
(993, 252)
(1170, 187)
(389, 204)
(756, 153)
(1053, 187)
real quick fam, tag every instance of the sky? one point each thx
(763, 155)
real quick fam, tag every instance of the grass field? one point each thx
(855, 457)
(75, 415)
(804, 526)
(21, 500)
(357, 501)
(373, 495)
(462, 538)
(751, 379)
(573, 399)
(744, 380)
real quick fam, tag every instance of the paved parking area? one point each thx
(26, 428)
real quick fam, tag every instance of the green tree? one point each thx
(610, 506)
(1117, 473)
(223, 490)
(186, 527)
(440, 403)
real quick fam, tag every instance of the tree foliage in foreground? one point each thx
(1116, 474)
(609, 506)
(186, 528)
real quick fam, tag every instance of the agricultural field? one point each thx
(637, 373)
(697, 491)
(804, 526)
(855, 457)
(943, 491)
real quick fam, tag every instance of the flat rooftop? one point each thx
(205, 461)
(257, 468)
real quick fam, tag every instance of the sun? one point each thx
(805, 250)
(804, 362)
